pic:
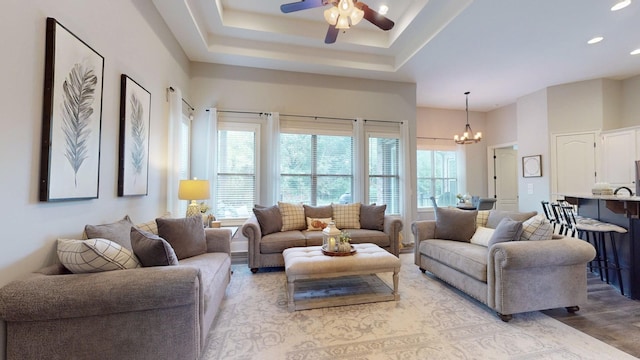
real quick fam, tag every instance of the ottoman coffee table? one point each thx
(305, 265)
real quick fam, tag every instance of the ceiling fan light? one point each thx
(331, 15)
(343, 22)
(346, 6)
(356, 16)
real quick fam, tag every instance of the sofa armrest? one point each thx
(45, 297)
(251, 230)
(422, 230)
(530, 254)
(218, 240)
(392, 227)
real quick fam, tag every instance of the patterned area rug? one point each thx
(430, 321)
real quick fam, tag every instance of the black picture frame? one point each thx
(135, 120)
(532, 166)
(71, 117)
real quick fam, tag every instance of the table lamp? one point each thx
(193, 190)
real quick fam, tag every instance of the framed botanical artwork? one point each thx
(135, 106)
(71, 117)
(532, 166)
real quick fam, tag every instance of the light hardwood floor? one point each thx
(607, 316)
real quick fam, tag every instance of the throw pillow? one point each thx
(483, 216)
(186, 235)
(507, 230)
(537, 228)
(151, 249)
(292, 216)
(269, 218)
(455, 224)
(325, 211)
(496, 215)
(346, 216)
(316, 224)
(151, 226)
(119, 232)
(372, 217)
(482, 236)
(94, 255)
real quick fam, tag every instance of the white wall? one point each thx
(502, 125)
(631, 102)
(133, 39)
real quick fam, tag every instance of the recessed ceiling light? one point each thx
(620, 5)
(384, 9)
(595, 40)
(635, 52)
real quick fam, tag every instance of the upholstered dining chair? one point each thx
(486, 204)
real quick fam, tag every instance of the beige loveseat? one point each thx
(157, 312)
(267, 241)
(517, 273)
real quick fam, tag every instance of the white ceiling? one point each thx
(498, 50)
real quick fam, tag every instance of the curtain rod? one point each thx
(183, 100)
(433, 138)
(315, 117)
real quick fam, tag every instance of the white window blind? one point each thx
(384, 180)
(236, 190)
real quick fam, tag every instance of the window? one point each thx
(316, 169)
(437, 177)
(384, 181)
(236, 190)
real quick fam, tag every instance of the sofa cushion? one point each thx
(467, 258)
(317, 224)
(325, 211)
(269, 218)
(537, 228)
(292, 216)
(507, 230)
(186, 235)
(482, 236)
(496, 215)
(151, 249)
(372, 217)
(276, 243)
(455, 224)
(94, 255)
(346, 216)
(119, 232)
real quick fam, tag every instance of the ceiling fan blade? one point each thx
(373, 17)
(302, 5)
(332, 35)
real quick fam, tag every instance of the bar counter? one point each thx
(622, 210)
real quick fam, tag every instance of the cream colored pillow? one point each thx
(482, 236)
(94, 255)
(346, 216)
(316, 224)
(292, 216)
(481, 219)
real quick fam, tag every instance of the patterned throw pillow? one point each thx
(316, 224)
(94, 255)
(151, 226)
(482, 236)
(537, 228)
(481, 219)
(292, 216)
(346, 216)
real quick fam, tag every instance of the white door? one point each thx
(618, 158)
(575, 165)
(506, 178)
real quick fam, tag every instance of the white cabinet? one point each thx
(618, 157)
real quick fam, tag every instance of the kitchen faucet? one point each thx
(615, 192)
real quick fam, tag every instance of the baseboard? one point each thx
(239, 257)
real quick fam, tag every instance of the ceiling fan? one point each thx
(342, 15)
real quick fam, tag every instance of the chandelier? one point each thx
(466, 137)
(344, 15)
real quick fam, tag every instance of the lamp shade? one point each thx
(194, 190)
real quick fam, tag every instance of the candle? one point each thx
(332, 244)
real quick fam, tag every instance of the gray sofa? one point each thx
(509, 277)
(266, 250)
(160, 312)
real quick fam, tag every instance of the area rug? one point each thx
(430, 321)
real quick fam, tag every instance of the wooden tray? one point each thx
(339, 253)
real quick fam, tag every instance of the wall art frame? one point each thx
(71, 117)
(135, 120)
(532, 166)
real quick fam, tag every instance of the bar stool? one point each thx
(597, 230)
(548, 213)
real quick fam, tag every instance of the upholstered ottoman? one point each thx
(310, 264)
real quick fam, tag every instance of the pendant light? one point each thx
(467, 136)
